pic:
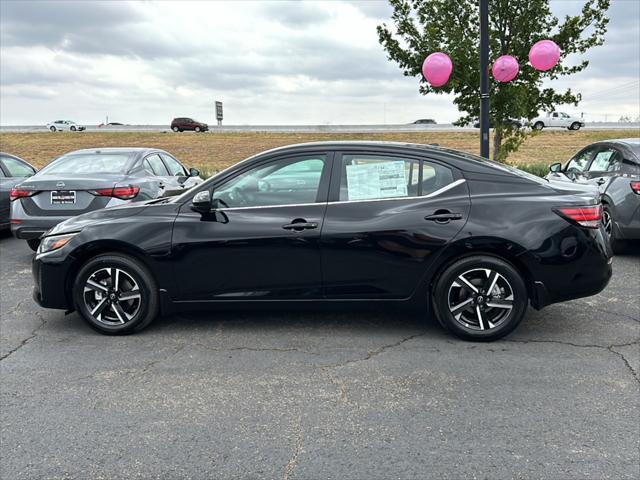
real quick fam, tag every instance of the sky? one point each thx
(270, 62)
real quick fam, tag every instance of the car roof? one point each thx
(131, 150)
(458, 159)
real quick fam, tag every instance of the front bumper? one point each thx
(51, 274)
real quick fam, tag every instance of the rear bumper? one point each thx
(29, 228)
(578, 268)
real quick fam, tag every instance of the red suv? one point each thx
(181, 124)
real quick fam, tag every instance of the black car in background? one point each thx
(613, 168)
(470, 240)
(13, 170)
(425, 121)
(181, 124)
(90, 179)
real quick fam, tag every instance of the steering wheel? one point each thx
(573, 173)
(264, 186)
(238, 196)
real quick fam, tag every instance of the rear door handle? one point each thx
(443, 217)
(300, 226)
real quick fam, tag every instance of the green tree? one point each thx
(421, 27)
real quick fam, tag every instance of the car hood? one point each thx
(75, 224)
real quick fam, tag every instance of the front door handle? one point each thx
(298, 226)
(601, 181)
(443, 216)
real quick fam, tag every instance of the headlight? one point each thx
(56, 242)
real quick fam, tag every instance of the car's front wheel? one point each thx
(480, 298)
(198, 129)
(116, 294)
(538, 126)
(73, 129)
(52, 128)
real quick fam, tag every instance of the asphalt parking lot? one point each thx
(320, 394)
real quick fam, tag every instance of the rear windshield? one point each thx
(89, 163)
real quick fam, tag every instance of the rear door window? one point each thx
(378, 177)
(157, 166)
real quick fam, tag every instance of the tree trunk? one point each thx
(497, 144)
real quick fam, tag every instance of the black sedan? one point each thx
(13, 170)
(87, 180)
(468, 239)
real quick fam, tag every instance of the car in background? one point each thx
(557, 119)
(471, 240)
(13, 170)
(425, 121)
(65, 126)
(183, 123)
(87, 180)
(613, 167)
(512, 122)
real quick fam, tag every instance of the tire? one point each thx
(73, 129)
(198, 129)
(538, 126)
(116, 317)
(575, 126)
(500, 312)
(52, 128)
(33, 243)
(617, 245)
(175, 129)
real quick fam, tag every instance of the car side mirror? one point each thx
(555, 167)
(201, 202)
(194, 172)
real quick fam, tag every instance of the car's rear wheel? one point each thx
(52, 128)
(480, 298)
(175, 129)
(116, 294)
(538, 126)
(616, 244)
(33, 243)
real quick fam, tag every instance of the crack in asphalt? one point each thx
(255, 349)
(609, 348)
(609, 312)
(34, 333)
(14, 308)
(153, 363)
(374, 353)
(297, 450)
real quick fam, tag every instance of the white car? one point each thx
(65, 125)
(557, 119)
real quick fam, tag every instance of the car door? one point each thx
(605, 166)
(388, 217)
(262, 241)
(154, 164)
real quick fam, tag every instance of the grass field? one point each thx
(212, 152)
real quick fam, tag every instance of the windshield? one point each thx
(88, 163)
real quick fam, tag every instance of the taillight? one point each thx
(635, 186)
(123, 193)
(17, 193)
(588, 217)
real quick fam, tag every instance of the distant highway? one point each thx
(307, 128)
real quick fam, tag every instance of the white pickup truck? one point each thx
(557, 119)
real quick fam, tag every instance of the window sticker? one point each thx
(601, 162)
(376, 180)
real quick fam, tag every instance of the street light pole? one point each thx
(484, 78)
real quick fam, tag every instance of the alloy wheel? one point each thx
(480, 299)
(607, 222)
(112, 296)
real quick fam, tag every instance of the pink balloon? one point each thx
(437, 69)
(544, 55)
(505, 68)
